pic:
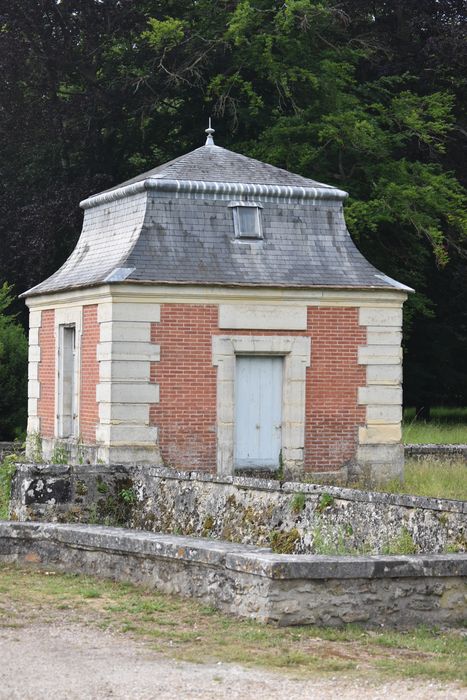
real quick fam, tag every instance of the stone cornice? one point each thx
(197, 294)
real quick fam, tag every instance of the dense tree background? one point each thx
(367, 96)
(13, 377)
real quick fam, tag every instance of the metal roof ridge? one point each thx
(212, 187)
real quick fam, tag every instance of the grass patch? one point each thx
(446, 426)
(185, 629)
(432, 433)
(432, 477)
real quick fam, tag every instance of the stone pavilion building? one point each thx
(215, 315)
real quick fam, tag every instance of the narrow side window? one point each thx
(66, 380)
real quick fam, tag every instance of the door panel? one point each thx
(258, 411)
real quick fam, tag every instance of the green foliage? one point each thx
(128, 495)
(102, 487)
(81, 488)
(436, 478)
(208, 524)
(432, 432)
(363, 100)
(60, 453)
(325, 501)
(34, 447)
(330, 540)
(402, 544)
(444, 425)
(164, 34)
(7, 470)
(298, 503)
(118, 505)
(13, 371)
(284, 541)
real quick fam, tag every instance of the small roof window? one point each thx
(247, 219)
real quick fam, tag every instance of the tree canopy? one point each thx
(367, 96)
(13, 371)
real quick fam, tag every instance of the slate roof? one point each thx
(170, 225)
(217, 164)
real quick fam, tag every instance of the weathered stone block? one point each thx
(262, 316)
(129, 312)
(380, 316)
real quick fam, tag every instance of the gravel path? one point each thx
(74, 662)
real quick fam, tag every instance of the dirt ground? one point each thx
(74, 662)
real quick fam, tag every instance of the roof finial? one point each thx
(209, 131)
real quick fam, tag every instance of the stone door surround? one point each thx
(296, 353)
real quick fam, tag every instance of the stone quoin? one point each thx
(215, 315)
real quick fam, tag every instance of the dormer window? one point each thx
(247, 219)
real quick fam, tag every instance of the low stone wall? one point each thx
(253, 582)
(438, 452)
(292, 517)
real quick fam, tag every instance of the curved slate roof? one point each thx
(173, 225)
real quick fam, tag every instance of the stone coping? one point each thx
(236, 557)
(435, 449)
(338, 492)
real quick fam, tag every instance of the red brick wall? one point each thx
(332, 412)
(186, 414)
(89, 409)
(46, 403)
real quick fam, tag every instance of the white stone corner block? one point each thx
(126, 434)
(380, 434)
(34, 389)
(380, 395)
(130, 413)
(124, 371)
(128, 351)
(380, 316)
(34, 336)
(383, 414)
(34, 423)
(133, 312)
(33, 371)
(127, 392)
(378, 335)
(35, 319)
(125, 331)
(390, 375)
(34, 353)
(379, 355)
(32, 407)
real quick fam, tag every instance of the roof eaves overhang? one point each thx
(398, 287)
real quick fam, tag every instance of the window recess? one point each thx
(66, 381)
(247, 220)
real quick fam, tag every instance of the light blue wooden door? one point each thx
(258, 411)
